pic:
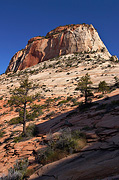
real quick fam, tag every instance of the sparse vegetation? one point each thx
(51, 106)
(84, 86)
(31, 131)
(116, 81)
(1, 133)
(18, 172)
(103, 87)
(66, 143)
(20, 98)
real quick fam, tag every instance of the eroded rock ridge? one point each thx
(60, 41)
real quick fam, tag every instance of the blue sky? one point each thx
(21, 20)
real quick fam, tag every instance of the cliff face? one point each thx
(60, 41)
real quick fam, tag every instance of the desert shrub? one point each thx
(69, 98)
(19, 138)
(4, 105)
(44, 65)
(77, 89)
(58, 62)
(69, 141)
(75, 104)
(114, 59)
(100, 96)
(73, 100)
(1, 97)
(1, 133)
(66, 143)
(49, 115)
(116, 81)
(31, 131)
(50, 65)
(18, 171)
(50, 155)
(62, 102)
(102, 87)
(29, 172)
(49, 100)
(14, 176)
(11, 109)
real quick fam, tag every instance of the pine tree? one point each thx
(102, 87)
(116, 81)
(21, 98)
(84, 86)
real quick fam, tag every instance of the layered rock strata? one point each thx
(60, 41)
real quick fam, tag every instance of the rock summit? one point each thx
(62, 40)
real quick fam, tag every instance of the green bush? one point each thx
(29, 172)
(19, 138)
(36, 112)
(102, 87)
(66, 143)
(1, 97)
(69, 98)
(65, 101)
(31, 131)
(18, 171)
(100, 96)
(77, 89)
(116, 81)
(1, 133)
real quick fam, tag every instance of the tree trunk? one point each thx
(24, 120)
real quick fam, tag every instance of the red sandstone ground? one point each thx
(99, 159)
(102, 137)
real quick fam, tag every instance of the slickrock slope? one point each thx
(59, 99)
(99, 159)
(60, 41)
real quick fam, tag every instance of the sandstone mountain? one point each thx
(60, 41)
(58, 103)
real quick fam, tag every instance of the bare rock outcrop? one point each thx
(60, 41)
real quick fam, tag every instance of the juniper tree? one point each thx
(84, 86)
(102, 87)
(21, 98)
(116, 81)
